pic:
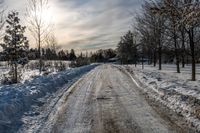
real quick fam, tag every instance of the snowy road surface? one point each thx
(105, 100)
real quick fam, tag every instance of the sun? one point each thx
(45, 16)
(49, 15)
(41, 14)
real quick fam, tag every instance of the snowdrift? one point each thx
(18, 98)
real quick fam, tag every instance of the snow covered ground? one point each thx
(31, 69)
(105, 100)
(20, 103)
(176, 91)
(17, 99)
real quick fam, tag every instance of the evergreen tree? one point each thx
(127, 49)
(61, 55)
(72, 55)
(15, 47)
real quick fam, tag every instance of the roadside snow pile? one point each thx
(16, 99)
(173, 90)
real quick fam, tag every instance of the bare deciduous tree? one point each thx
(188, 13)
(2, 19)
(38, 25)
(51, 42)
(154, 23)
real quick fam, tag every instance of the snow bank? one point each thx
(16, 99)
(173, 90)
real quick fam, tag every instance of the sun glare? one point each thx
(46, 16)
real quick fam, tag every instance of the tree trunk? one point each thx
(193, 68)
(183, 61)
(160, 55)
(15, 71)
(183, 48)
(192, 48)
(135, 60)
(177, 61)
(176, 52)
(15, 59)
(154, 58)
(150, 60)
(39, 51)
(159, 44)
(187, 61)
(160, 58)
(142, 62)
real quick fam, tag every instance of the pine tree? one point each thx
(15, 47)
(127, 48)
(72, 55)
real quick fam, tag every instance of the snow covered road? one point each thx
(105, 100)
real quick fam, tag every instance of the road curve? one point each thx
(106, 100)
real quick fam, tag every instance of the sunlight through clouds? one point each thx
(87, 24)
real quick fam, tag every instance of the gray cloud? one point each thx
(108, 20)
(89, 24)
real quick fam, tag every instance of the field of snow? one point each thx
(176, 91)
(17, 99)
(32, 69)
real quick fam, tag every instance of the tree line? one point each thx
(168, 31)
(51, 54)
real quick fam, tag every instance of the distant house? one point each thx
(115, 59)
(143, 60)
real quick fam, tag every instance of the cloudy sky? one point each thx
(87, 24)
